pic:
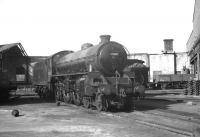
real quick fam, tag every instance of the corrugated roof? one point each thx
(7, 46)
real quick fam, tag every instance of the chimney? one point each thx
(168, 45)
(104, 39)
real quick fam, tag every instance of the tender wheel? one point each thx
(57, 98)
(76, 99)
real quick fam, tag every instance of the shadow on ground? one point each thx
(150, 104)
(152, 101)
(20, 100)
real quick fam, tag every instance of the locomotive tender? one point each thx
(93, 76)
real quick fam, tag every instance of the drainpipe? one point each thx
(175, 72)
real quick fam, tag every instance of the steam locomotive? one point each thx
(96, 76)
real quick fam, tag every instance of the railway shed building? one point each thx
(168, 62)
(193, 43)
(164, 63)
(14, 63)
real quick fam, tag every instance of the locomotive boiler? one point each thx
(107, 57)
(94, 76)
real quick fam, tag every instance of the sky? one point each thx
(45, 27)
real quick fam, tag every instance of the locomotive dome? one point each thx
(86, 45)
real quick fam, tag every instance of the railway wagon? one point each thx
(93, 76)
(172, 80)
(13, 68)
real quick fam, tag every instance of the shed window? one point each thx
(20, 70)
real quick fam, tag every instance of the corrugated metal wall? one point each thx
(195, 34)
(163, 64)
(182, 59)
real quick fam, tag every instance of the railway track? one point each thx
(166, 127)
(183, 123)
(175, 115)
(163, 119)
(147, 120)
(179, 124)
